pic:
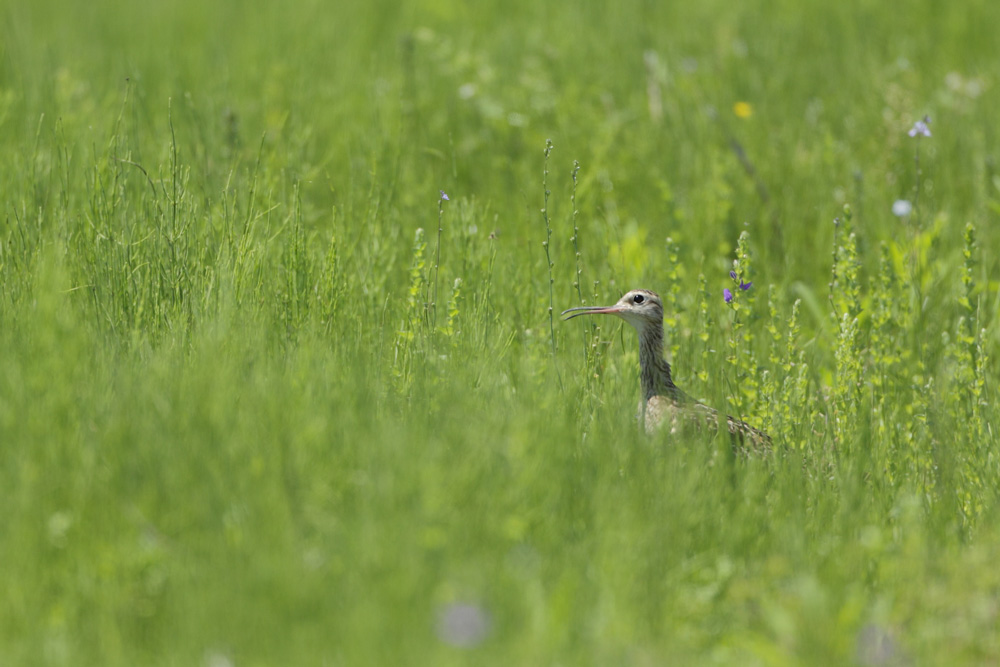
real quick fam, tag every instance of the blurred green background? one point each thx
(267, 398)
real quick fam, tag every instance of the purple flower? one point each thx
(444, 195)
(727, 295)
(743, 286)
(920, 128)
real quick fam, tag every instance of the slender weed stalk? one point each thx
(333, 287)
(784, 355)
(979, 388)
(588, 334)
(548, 254)
(966, 393)
(882, 358)
(845, 300)
(844, 286)
(962, 349)
(418, 277)
(768, 381)
(298, 272)
(975, 344)
(576, 234)
(671, 296)
(707, 324)
(414, 318)
(740, 357)
(432, 306)
(919, 130)
(483, 311)
(451, 329)
(773, 327)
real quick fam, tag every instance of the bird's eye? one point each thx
(638, 298)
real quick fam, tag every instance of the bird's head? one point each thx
(640, 308)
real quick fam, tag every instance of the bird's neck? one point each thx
(656, 378)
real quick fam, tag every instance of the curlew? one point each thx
(663, 403)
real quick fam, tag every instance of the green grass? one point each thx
(238, 427)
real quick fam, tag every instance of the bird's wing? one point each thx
(758, 440)
(677, 414)
(669, 412)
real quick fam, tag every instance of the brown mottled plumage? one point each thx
(663, 404)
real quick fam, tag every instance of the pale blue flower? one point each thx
(920, 128)
(901, 208)
(444, 195)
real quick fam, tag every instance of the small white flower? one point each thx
(59, 525)
(901, 208)
(515, 119)
(218, 659)
(877, 645)
(463, 624)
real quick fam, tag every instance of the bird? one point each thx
(663, 403)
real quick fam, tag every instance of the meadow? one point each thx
(283, 380)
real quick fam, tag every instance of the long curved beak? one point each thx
(590, 310)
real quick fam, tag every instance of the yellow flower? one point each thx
(742, 109)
